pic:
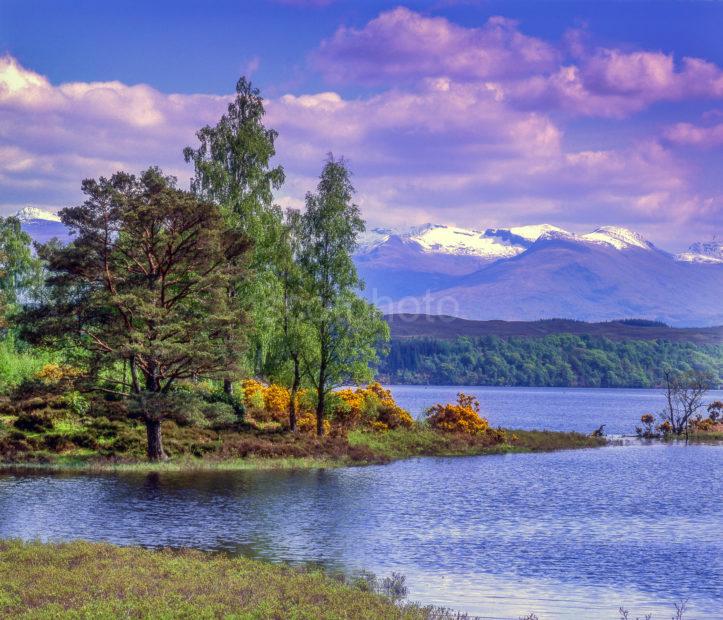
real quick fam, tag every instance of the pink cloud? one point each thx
(442, 150)
(687, 134)
(611, 83)
(403, 44)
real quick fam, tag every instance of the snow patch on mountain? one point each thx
(488, 244)
(463, 242)
(534, 232)
(29, 214)
(703, 252)
(619, 238)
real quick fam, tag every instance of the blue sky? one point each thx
(479, 114)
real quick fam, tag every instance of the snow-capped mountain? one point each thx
(30, 214)
(703, 252)
(492, 243)
(42, 225)
(439, 239)
(534, 272)
(522, 273)
(619, 238)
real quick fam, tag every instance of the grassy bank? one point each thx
(90, 580)
(194, 449)
(421, 441)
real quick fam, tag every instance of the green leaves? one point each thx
(347, 330)
(146, 281)
(20, 271)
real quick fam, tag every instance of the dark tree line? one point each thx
(560, 360)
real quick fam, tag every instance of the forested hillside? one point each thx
(553, 360)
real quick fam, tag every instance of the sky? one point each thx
(471, 113)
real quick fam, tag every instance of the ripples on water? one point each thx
(567, 534)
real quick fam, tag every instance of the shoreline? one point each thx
(383, 448)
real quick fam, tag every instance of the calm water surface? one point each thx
(555, 409)
(567, 534)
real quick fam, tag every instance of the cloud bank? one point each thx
(462, 125)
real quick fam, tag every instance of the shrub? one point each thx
(33, 422)
(253, 398)
(647, 420)
(18, 364)
(370, 407)
(462, 417)
(219, 415)
(57, 373)
(715, 411)
(270, 403)
(306, 423)
(76, 402)
(666, 428)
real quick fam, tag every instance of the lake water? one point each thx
(567, 535)
(555, 409)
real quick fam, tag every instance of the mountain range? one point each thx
(522, 273)
(540, 272)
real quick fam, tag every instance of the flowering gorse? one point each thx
(372, 407)
(460, 417)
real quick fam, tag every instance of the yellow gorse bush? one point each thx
(460, 417)
(55, 373)
(270, 402)
(371, 407)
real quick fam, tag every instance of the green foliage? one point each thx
(348, 331)
(20, 271)
(560, 360)
(19, 362)
(144, 286)
(77, 403)
(232, 166)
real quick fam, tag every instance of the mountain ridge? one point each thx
(448, 327)
(521, 273)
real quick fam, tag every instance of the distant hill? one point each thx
(447, 327)
(443, 350)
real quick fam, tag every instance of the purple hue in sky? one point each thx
(472, 121)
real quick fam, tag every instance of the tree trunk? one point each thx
(320, 393)
(155, 441)
(228, 387)
(292, 396)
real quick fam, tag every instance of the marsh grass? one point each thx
(255, 451)
(101, 581)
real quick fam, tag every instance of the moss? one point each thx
(87, 580)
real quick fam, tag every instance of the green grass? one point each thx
(88, 580)
(16, 365)
(87, 462)
(421, 441)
